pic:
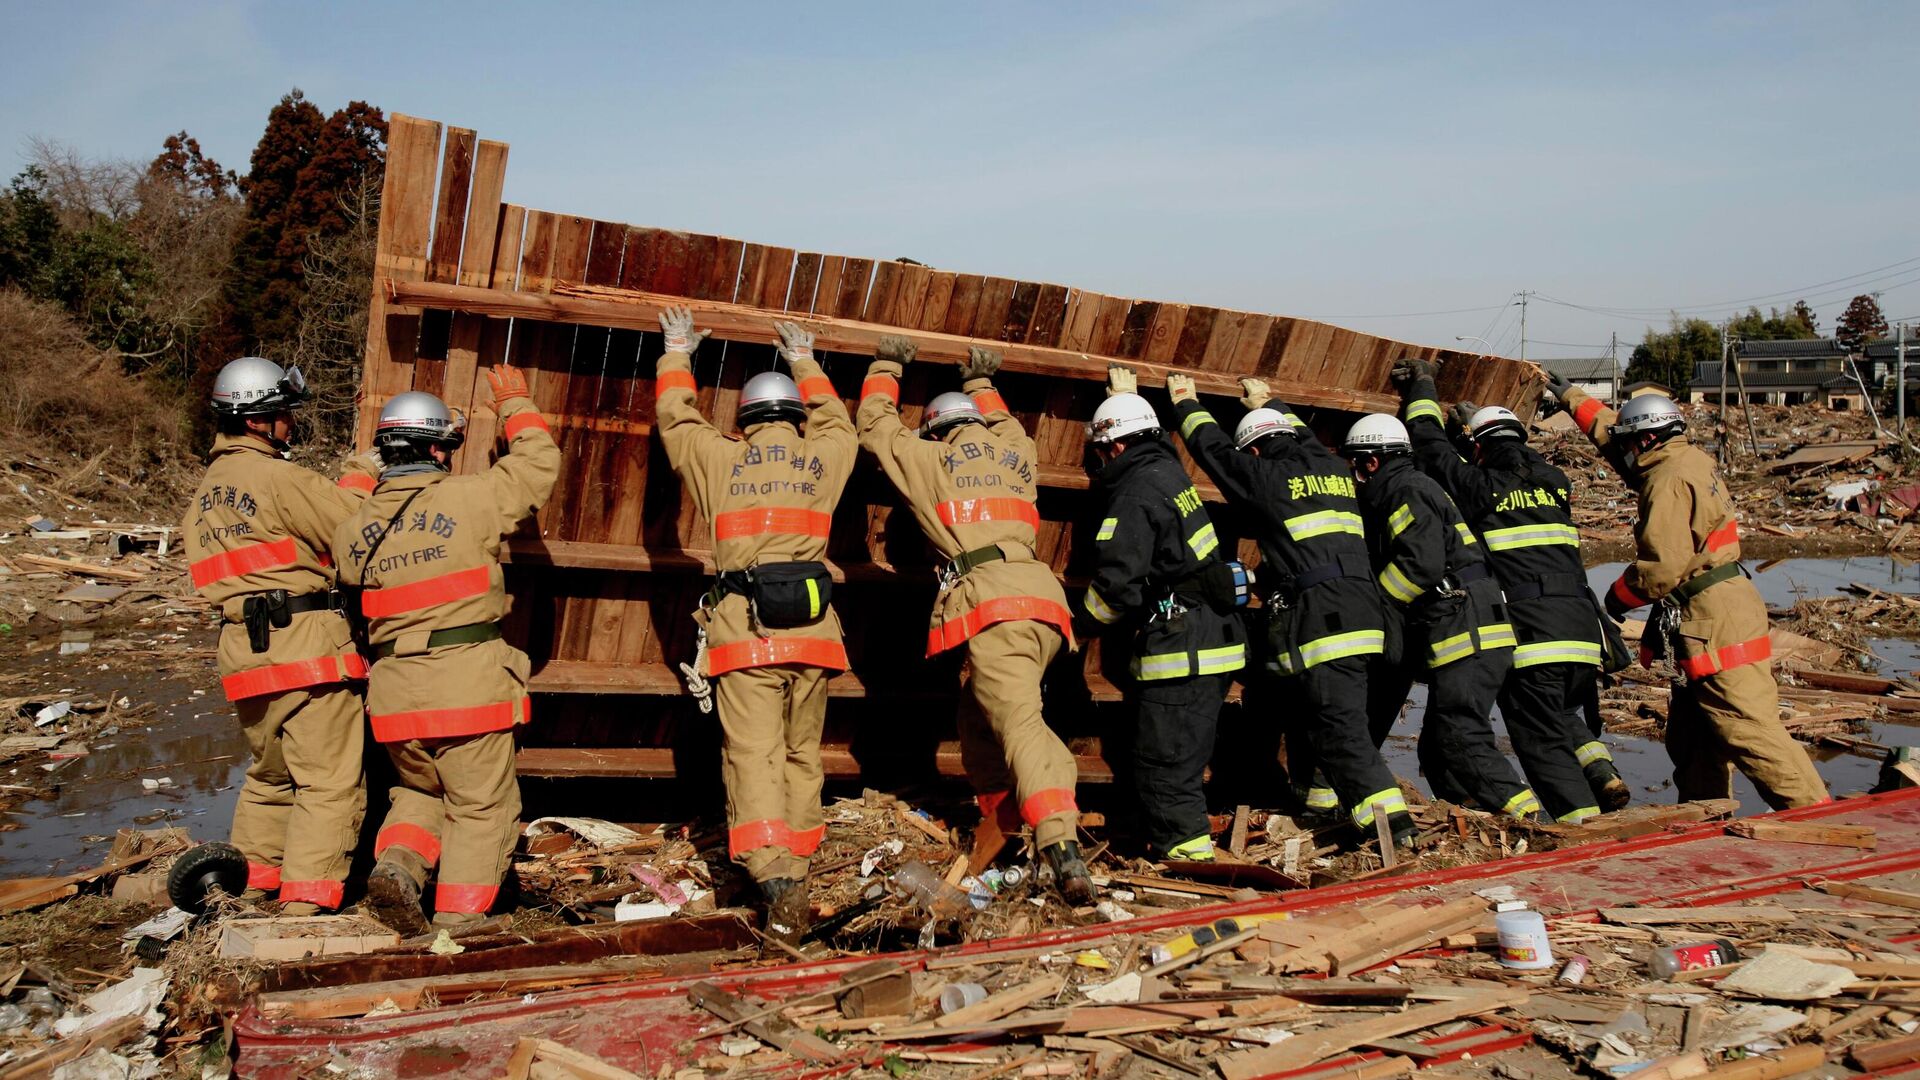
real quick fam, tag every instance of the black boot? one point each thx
(1611, 791)
(789, 914)
(394, 898)
(1070, 874)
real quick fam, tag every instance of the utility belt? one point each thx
(964, 563)
(1699, 583)
(1452, 584)
(1221, 585)
(1659, 639)
(1548, 585)
(1349, 565)
(470, 634)
(263, 613)
(780, 596)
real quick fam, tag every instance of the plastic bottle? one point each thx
(1576, 970)
(1523, 940)
(918, 882)
(1669, 961)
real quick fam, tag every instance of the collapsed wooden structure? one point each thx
(604, 585)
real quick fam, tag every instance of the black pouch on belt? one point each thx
(789, 594)
(263, 614)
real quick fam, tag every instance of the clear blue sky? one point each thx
(1321, 159)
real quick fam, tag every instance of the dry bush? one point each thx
(330, 341)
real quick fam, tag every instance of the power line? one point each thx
(1414, 314)
(1809, 292)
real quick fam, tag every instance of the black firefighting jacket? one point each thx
(1430, 567)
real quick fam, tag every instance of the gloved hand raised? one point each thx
(981, 363)
(1407, 369)
(677, 324)
(1616, 607)
(1254, 393)
(1181, 388)
(1120, 380)
(897, 349)
(1557, 384)
(796, 342)
(1461, 412)
(508, 382)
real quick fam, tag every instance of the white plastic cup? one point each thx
(957, 996)
(1523, 940)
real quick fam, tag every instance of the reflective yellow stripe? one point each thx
(1588, 753)
(1398, 585)
(1162, 666)
(1497, 636)
(1106, 529)
(1524, 536)
(1424, 407)
(1098, 608)
(1576, 816)
(1523, 803)
(1466, 534)
(1335, 646)
(1194, 420)
(1298, 423)
(1322, 798)
(1203, 541)
(1198, 849)
(1534, 653)
(1322, 522)
(813, 598)
(1400, 519)
(1392, 801)
(1225, 658)
(1447, 650)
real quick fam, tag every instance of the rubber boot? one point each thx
(1609, 789)
(299, 909)
(789, 912)
(1198, 849)
(454, 920)
(393, 891)
(1070, 874)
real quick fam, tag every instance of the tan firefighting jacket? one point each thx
(973, 488)
(435, 566)
(1686, 528)
(258, 522)
(769, 498)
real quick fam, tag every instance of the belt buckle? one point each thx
(949, 575)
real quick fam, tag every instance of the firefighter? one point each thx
(445, 692)
(970, 475)
(1725, 703)
(1325, 620)
(1518, 505)
(1452, 624)
(258, 534)
(1155, 598)
(769, 632)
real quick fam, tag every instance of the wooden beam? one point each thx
(656, 763)
(1303, 1050)
(633, 310)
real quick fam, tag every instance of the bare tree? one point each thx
(330, 340)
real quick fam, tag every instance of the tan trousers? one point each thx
(1004, 738)
(1733, 719)
(457, 803)
(305, 795)
(770, 720)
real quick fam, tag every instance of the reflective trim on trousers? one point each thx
(769, 651)
(1193, 421)
(1524, 803)
(998, 610)
(773, 832)
(1534, 653)
(326, 894)
(1398, 585)
(1321, 523)
(1391, 800)
(1047, 802)
(410, 836)
(262, 876)
(449, 723)
(1424, 408)
(1727, 658)
(1198, 849)
(1322, 798)
(1526, 536)
(464, 899)
(1578, 815)
(1459, 646)
(1177, 665)
(1336, 646)
(1588, 753)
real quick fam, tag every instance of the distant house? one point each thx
(1644, 386)
(1817, 371)
(1599, 376)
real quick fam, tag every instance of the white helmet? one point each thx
(1649, 413)
(1261, 423)
(418, 415)
(1495, 420)
(948, 409)
(770, 396)
(1119, 416)
(255, 386)
(1377, 433)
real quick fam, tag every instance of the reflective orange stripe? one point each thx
(527, 420)
(885, 385)
(409, 836)
(1626, 594)
(990, 400)
(262, 876)
(251, 559)
(293, 675)
(354, 481)
(1724, 535)
(817, 386)
(445, 589)
(772, 832)
(977, 511)
(785, 520)
(466, 899)
(766, 652)
(1725, 659)
(1585, 412)
(672, 380)
(1044, 804)
(998, 610)
(449, 723)
(326, 894)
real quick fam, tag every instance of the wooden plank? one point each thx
(1309, 1047)
(994, 1006)
(464, 388)
(1404, 931)
(400, 254)
(361, 998)
(530, 1050)
(1650, 916)
(837, 759)
(443, 255)
(775, 1030)
(1806, 832)
(1872, 894)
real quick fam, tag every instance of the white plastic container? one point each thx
(1523, 940)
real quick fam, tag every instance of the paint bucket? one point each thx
(1523, 940)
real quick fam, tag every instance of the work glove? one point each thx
(899, 350)
(1616, 608)
(367, 461)
(796, 342)
(1254, 393)
(1120, 380)
(1461, 412)
(508, 382)
(677, 324)
(979, 364)
(1557, 384)
(1407, 370)
(1548, 405)
(1181, 388)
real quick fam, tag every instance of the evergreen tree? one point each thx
(1861, 323)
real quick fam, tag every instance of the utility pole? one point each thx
(1613, 366)
(1523, 324)
(1723, 395)
(1900, 380)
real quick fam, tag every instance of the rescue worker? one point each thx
(257, 535)
(970, 476)
(445, 692)
(1325, 620)
(1156, 597)
(769, 633)
(1452, 623)
(1725, 710)
(1517, 503)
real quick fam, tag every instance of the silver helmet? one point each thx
(1648, 414)
(948, 409)
(770, 396)
(418, 415)
(256, 386)
(1495, 420)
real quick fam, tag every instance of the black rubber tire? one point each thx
(196, 874)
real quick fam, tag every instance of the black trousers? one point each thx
(1175, 723)
(1457, 752)
(1545, 709)
(1327, 704)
